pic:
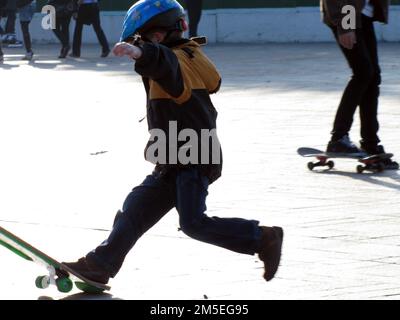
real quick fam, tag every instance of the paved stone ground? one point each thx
(342, 229)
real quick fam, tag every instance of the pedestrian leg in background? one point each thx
(105, 49)
(1, 38)
(25, 16)
(10, 37)
(76, 44)
(194, 8)
(62, 33)
(1, 53)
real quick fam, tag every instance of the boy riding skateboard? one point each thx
(359, 47)
(178, 79)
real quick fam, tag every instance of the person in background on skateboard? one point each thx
(359, 47)
(178, 79)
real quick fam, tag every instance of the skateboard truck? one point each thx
(321, 163)
(55, 277)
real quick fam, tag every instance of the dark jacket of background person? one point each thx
(89, 14)
(332, 11)
(23, 3)
(3, 3)
(64, 8)
(11, 5)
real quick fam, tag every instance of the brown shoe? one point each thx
(270, 250)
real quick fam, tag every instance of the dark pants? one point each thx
(88, 14)
(186, 190)
(194, 12)
(26, 35)
(10, 24)
(62, 30)
(363, 87)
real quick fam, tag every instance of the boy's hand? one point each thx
(348, 40)
(126, 49)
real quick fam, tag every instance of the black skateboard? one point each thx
(371, 163)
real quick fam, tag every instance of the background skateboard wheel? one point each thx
(310, 166)
(381, 167)
(360, 169)
(330, 164)
(64, 284)
(42, 282)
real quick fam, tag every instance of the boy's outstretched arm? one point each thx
(125, 49)
(156, 62)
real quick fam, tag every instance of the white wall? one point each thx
(240, 25)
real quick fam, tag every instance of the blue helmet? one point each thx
(148, 14)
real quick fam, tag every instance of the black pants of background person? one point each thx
(26, 35)
(10, 12)
(62, 33)
(194, 12)
(89, 14)
(363, 87)
(10, 24)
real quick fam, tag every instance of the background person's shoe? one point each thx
(390, 164)
(89, 270)
(28, 56)
(64, 52)
(11, 41)
(270, 250)
(105, 54)
(372, 149)
(342, 145)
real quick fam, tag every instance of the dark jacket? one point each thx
(23, 3)
(11, 5)
(64, 8)
(332, 11)
(3, 4)
(179, 80)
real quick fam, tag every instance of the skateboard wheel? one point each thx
(360, 169)
(64, 284)
(310, 166)
(330, 164)
(42, 282)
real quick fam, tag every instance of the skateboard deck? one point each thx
(369, 162)
(58, 274)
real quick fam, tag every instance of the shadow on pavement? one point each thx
(370, 177)
(280, 67)
(84, 296)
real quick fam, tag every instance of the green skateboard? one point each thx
(58, 274)
(371, 163)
